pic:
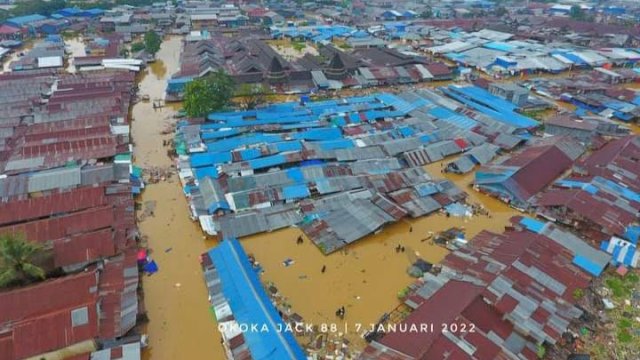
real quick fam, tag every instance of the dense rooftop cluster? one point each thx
(66, 183)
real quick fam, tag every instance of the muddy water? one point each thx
(181, 325)
(368, 276)
(365, 278)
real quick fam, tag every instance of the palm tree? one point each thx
(16, 260)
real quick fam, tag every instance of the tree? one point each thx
(152, 42)
(38, 7)
(205, 95)
(577, 13)
(501, 11)
(427, 13)
(252, 95)
(16, 260)
(138, 46)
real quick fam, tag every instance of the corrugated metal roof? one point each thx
(54, 179)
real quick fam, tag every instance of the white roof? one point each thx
(204, 17)
(50, 61)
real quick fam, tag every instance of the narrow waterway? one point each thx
(181, 325)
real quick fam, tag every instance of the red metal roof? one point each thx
(60, 227)
(38, 317)
(83, 248)
(449, 301)
(64, 202)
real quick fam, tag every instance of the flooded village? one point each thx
(428, 181)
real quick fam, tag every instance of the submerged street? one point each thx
(180, 323)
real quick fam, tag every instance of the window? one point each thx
(79, 317)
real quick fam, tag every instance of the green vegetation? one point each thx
(41, 7)
(624, 324)
(541, 351)
(427, 13)
(152, 42)
(624, 336)
(48, 7)
(138, 46)
(403, 293)
(344, 46)
(620, 287)
(205, 95)
(576, 13)
(534, 114)
(578, 294)
(298, 45)
(252, 95)
(17, 261)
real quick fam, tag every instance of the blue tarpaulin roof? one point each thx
(295, 192)
(209, 171)
(295, 174)
(489, 104)
(208, 159)
(532, 224)
(249, 154)
(632, 234)
(587, 265)
(25, 20)
(267, 161)
(251, 305)
(319, 134)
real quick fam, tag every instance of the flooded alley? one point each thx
(180, 323)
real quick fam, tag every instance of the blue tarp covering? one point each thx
(251, 305)
(295, 174)
(406, 131)
(632, 234)
(489, 104)
(295, 192)
(267, 161)
(249, 154)
(500, 46)
(21, 21)
(210, 135)
(177, 85)
(213, 207)
(151, 267)
(453, 118)
(587, 265)
(532, 224)
(311, 162)
(209, 171)
(319, 134)
(236, 142)
(208, 159)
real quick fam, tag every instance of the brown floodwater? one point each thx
(181, 325)
(365, 278)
